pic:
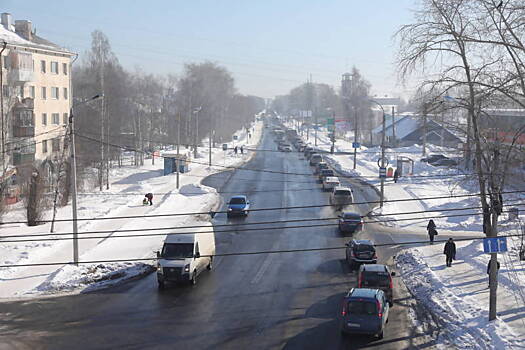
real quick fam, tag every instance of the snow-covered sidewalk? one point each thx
(190, 198)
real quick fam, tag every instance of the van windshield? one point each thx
(177, 250)
(375, 279)
(342, 193)
(362, 308)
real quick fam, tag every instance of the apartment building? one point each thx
(36, 95)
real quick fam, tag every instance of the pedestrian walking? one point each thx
(242, 150)
(450, 251)
(396, 175)
(235, 149)
(431, 229)
(149, 197)
(488, 268)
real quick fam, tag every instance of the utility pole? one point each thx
(209, 161)
(4, 45)
(383, 159)
(394, 126)
(177, 161)
(196, 141)
(424, 128)
(74, 178)
(355, 136)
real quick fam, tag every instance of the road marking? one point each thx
(262, 270)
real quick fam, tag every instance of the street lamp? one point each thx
(196, 112)
(383, 165)
(74, 175)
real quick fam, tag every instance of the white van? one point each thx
(330, 182)
(341, 196)
(185, 256)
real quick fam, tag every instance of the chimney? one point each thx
(7, 21)
(24, 28)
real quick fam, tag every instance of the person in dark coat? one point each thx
(450, 251)
(149, 197)
(396, 175)
(488, 268)
(242, 150)
(431, 228)
(235, 149)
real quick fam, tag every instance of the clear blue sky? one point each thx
(269, 46)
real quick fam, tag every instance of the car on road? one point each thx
(360, 251)
(307, 150)
(284, 145)
(315, 158)
(330, 182)
(377, 276)
(350, 222)
(433, 158)
(184, 257)
(286, 148)
(365, 311)
(341, 196)
(320, 166)
(325, 173)
(238, 205)
(445, 162)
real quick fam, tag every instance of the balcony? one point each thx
(20, 75)
(23, 131)
(21, 67)
(23, 158)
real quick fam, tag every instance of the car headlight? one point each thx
(159, 268)
(187, 268)
(230, 209)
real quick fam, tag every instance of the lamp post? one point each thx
(74, 176)
(381, 199)
(196, 141)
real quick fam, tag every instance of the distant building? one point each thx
(36, 94)
(409, 130)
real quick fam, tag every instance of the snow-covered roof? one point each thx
(13, 39)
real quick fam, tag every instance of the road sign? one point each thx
(330, 121)
(235, 137)
(382, 173)
(495, 245)
(356, 145)
(224, 146)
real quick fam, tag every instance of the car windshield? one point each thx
(237, 200)
(342, 193)
(351, 216)
(177, 250)
(364, 248)
(362, 308)
(327, 172)
(375, 279)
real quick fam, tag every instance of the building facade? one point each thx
(36, 95)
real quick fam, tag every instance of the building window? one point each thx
(64, 68)
(44, 118)
(54, 67)
(32, 92)
(65, 93)
(43, 66)
(44, 146)
(65, 118)
(55, 118)
(44, 93)
(54, 93)
(20, 91)
(55, 145)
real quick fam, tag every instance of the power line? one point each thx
(213, 231)
(280, 251)
(262, 209)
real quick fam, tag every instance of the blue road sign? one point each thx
(495, 245)
(356, 145)
(382, 173)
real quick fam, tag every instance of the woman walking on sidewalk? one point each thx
(431, 228)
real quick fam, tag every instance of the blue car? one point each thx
(238, 205)
(365, 311)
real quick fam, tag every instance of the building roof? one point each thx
(37, 42)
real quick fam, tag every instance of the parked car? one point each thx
(238, 205)
(341, 196)
(315, 158)
(432, 158)
(377, 276)
(320, 166)
(330, 182)
(184, 257)
(360, 251)
(445, 162)
(350, 222)
(324, 173)
(365, 311)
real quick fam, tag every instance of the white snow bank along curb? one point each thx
(464, 324)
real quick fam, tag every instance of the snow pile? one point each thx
(193, 190)
(458, 295)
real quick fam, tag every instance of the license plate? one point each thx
(354, 325)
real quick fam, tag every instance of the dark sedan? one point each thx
(350, 222)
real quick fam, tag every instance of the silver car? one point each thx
(341, 196)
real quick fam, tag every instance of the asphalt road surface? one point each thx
(267, 301)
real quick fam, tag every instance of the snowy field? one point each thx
(129, 184)
(457, 295)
